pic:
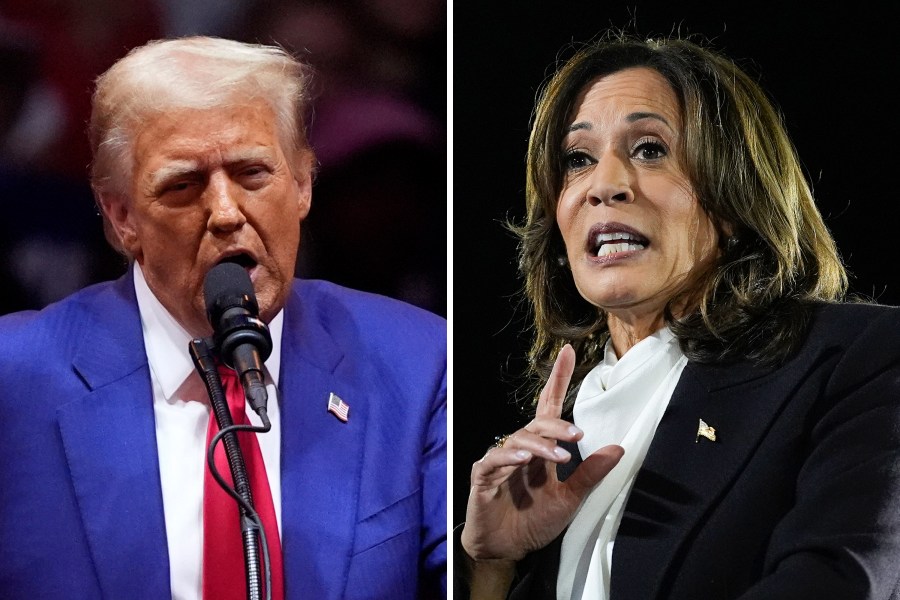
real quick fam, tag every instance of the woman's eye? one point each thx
(576, 159)
(649, 150)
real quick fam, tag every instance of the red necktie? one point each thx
(224, 573)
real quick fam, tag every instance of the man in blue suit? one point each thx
(200, 156)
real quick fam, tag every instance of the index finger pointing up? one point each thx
(551, 399)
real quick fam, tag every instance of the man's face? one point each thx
(207, 185)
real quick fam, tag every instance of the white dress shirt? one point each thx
(181, 408)
(619, 402)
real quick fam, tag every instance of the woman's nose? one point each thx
(610, 180)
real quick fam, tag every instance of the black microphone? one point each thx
(241, 338)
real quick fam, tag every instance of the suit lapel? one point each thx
(682, 476)
(110, 444)
(321, 457)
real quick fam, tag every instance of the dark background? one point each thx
(832, 73)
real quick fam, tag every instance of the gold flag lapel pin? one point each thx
(704, 430)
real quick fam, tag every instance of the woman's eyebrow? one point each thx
(579, 125)
(637, 116)
(630, 118)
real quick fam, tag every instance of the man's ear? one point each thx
(304, 173)
(118, 225)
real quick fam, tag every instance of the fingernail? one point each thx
(574, 430)
(523, 454)
(561, 452)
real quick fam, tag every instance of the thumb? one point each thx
(593, 469)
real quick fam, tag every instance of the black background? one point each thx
(831, 73)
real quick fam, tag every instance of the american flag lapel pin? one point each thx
(338, 407)
(704, 430)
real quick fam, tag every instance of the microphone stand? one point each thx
(250, 526)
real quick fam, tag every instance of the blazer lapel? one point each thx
(683, 475)
(110, 444)
(321, 464)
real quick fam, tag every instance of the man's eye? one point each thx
(177, 187)
(649, 151)
(254, 177)
(575, 159)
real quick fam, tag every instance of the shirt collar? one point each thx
(166, 341)
(609, 369)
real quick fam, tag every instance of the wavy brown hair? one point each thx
(776, 258)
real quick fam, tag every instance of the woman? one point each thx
(713, 422)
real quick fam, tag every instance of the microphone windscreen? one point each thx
(227, 285)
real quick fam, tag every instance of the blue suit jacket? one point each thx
(363, 502)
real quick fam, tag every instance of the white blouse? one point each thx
(621, 401)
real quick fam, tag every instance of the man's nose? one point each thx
(225, 208)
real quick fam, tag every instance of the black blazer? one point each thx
(799, 496)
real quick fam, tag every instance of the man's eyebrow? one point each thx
(172, 170)
(243, 155)
(181, 167)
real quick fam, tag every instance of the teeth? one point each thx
(608, 237)
(607, 249)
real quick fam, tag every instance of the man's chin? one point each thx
(268, 310)
(271, 299)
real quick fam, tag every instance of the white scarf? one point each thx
(619, 402)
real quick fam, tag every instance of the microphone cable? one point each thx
(251, 524)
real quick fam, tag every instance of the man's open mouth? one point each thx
(243, 259)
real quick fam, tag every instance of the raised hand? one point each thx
(516, 502)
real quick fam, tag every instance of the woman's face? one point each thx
(633, 229)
